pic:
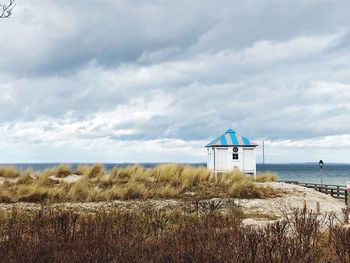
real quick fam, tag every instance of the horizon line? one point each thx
(165, 162)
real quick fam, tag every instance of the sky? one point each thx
(155, 81)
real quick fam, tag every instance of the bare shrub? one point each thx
(210, 206)
(339, 242)
(345, 214)
(61, 235)
(235, 208)
(6, 9)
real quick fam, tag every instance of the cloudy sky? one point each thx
(150, 81)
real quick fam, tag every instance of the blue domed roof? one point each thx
(231, 138)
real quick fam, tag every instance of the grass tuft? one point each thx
(246, 190)
(96, 170)
(82, 169)
(5, 196)
(63, 170)
(135, 191)
(79, 191)
(9, 172)
(266, 177)
(26, 177)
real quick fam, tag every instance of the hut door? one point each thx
(222, 159)
(248, 160)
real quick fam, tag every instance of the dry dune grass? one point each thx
(266, 177)
(97, 170)
(26, 177)
(132, 182)
(63, 170)
(9, 172)
(82, 170)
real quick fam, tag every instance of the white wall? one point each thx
(210, 158)
(213, 164)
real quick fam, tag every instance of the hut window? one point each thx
(235, 156)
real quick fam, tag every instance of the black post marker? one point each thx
(320, 163)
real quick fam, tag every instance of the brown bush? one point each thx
(59, 235)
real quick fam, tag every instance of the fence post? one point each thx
(331, 192)
(347, 193)
(346, 197)
(305, 205)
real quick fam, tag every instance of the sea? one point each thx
(337, 174)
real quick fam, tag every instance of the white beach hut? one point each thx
(231, 151)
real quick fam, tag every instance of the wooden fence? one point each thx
(336, 191)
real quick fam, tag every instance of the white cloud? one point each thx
(167, 78)
(269, 51)
(328, 142)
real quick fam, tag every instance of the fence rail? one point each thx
(336, 191)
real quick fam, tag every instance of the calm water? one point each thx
(333, 173)
(310, 173)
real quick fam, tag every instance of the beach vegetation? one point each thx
(97, 170)
(26, 177)
(95, 183)
(63, 170)
(9, 172)
(82, 169)
(264, 177)
(58, 234)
